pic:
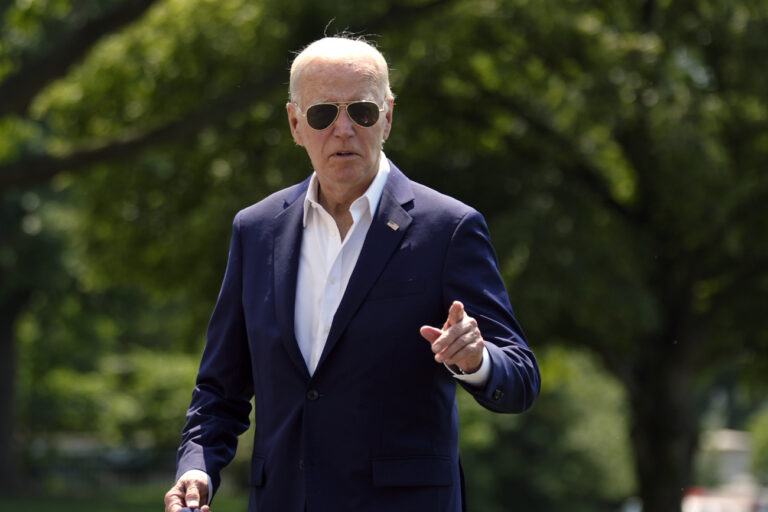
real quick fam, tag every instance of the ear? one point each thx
(388, 117)
(293, 122)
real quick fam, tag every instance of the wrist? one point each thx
(466, 371)
(473, 369)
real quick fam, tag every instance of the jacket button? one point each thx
(313, 395)
(497, 394)
(301, 464)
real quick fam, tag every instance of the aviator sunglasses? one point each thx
(322, 115)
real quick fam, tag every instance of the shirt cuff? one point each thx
(210, 485)
(478, 378)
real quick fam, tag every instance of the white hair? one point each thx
(342, 49)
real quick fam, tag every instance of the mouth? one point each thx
(343, 156)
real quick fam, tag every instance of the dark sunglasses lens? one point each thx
(364, 113)
(321, 116)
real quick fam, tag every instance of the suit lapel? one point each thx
(287, 248)
(387, 229)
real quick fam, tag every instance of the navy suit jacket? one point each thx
(376, 427)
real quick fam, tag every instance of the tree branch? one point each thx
(582, 168)
(648, 14)
(36, 169)
(19, 89)
(40, 168)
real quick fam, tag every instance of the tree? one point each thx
(633, 172)
(632, 179)
(28, 260)
(616, 149)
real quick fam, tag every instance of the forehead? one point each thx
(338, 80)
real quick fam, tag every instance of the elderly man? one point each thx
(331, 289)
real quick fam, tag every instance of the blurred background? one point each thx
(617, 149)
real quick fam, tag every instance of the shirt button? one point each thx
(301, 464)
(313, 395)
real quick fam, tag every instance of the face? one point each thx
(345, 156)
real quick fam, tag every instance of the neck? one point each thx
(338, 205)
(336, 199)
(337, 202)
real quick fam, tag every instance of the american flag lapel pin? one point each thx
(393, 225)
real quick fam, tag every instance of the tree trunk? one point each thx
(8, 473)
(664, 432)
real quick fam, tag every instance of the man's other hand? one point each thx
(190, 491)
(459, 342)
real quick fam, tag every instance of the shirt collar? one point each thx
(372, 196)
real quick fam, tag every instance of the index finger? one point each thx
(455, 313)
(192, 497)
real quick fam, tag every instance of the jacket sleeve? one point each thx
(220, 404)
(471, 275)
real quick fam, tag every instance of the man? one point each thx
(331, 288)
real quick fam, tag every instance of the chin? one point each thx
(350, 176)
(353, 171)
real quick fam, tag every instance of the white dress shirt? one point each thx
(326, 262)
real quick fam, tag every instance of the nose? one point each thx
(343, 126)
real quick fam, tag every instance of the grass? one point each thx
(123, 499)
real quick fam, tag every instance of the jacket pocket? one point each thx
(257, 472)
(412, 471)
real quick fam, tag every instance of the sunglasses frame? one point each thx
(339, 105)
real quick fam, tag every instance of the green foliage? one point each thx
(617, 150)
(572, 447)
(108, 362)
(124, 385)
(759, 429)
(27, 252)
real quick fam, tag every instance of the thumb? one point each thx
(430, 333)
